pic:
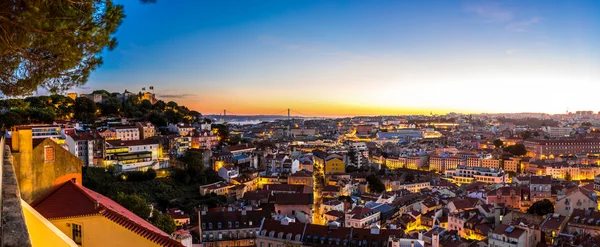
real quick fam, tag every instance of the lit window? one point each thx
(76, 233)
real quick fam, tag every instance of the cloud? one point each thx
(177, 96)
(522, 26)
(490, 12)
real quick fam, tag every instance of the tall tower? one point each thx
(289, 124)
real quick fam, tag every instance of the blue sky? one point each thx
(359, 57)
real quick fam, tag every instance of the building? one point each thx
(332, 163)
(227, 172)
(360, 154)
(126, 133)
(230, 227)
(181, 129)
(220, 188)
(149, 97)
(88, 218)
(552, 227)
(293, 205)
(204, 140)
(179, 217)
(557, 132)
(441, 163)
(362, 217)
(576, 198)
(512, 165)
(146, 129)
(277, 233)
(597, 182)
(548, 149)
(41, 164)
(507, 196)
(584, 221)
(540, 188)
(466, 175)
(87, 146)
(73, 96)
(507, 236)
(133, 155)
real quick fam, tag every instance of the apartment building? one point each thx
(548, 149)
(466, 175)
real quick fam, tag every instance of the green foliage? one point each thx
(375, 184)
(165, 192)
(46, 109)
(517, 150)
(526, 134)
(85, 109)
(222, 132)
(541, 208)
(163, 222)
(136, 176)
(134, 203)
(53, 44)
(498, 143)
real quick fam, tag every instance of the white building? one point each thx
(557, 132)
(507, 236)
(361, 153)
(228, 172)
(127, 133)
(134, 155)
(362, 217)
(82, 145)
(466, 175)
(181, 129)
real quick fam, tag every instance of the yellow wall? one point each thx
(37, 176)
(334, 166)
(42, 232)
(101, 232)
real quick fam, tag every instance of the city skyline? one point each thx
(341, 58)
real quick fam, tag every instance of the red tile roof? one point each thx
(73, 200)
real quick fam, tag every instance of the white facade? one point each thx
(127, 133)
(466, 175)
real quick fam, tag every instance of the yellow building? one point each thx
(91, 219)
(41, 164)
(72, 95)
(334, 164)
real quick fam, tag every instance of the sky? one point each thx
(340, 58)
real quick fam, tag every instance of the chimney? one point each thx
(435, 239)
(96, 204)
(74, 180)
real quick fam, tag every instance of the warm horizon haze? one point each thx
(340, 58)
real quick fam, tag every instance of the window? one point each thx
(48, 153)
(76, 233)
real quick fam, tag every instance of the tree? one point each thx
(568, 176)
(517, 150)
(53, 44)
(526, 134)
(375, 184)
(10, 119)
(541, 208)
(134, 203)
(163, 222)
(85, 109)
(498, 143)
